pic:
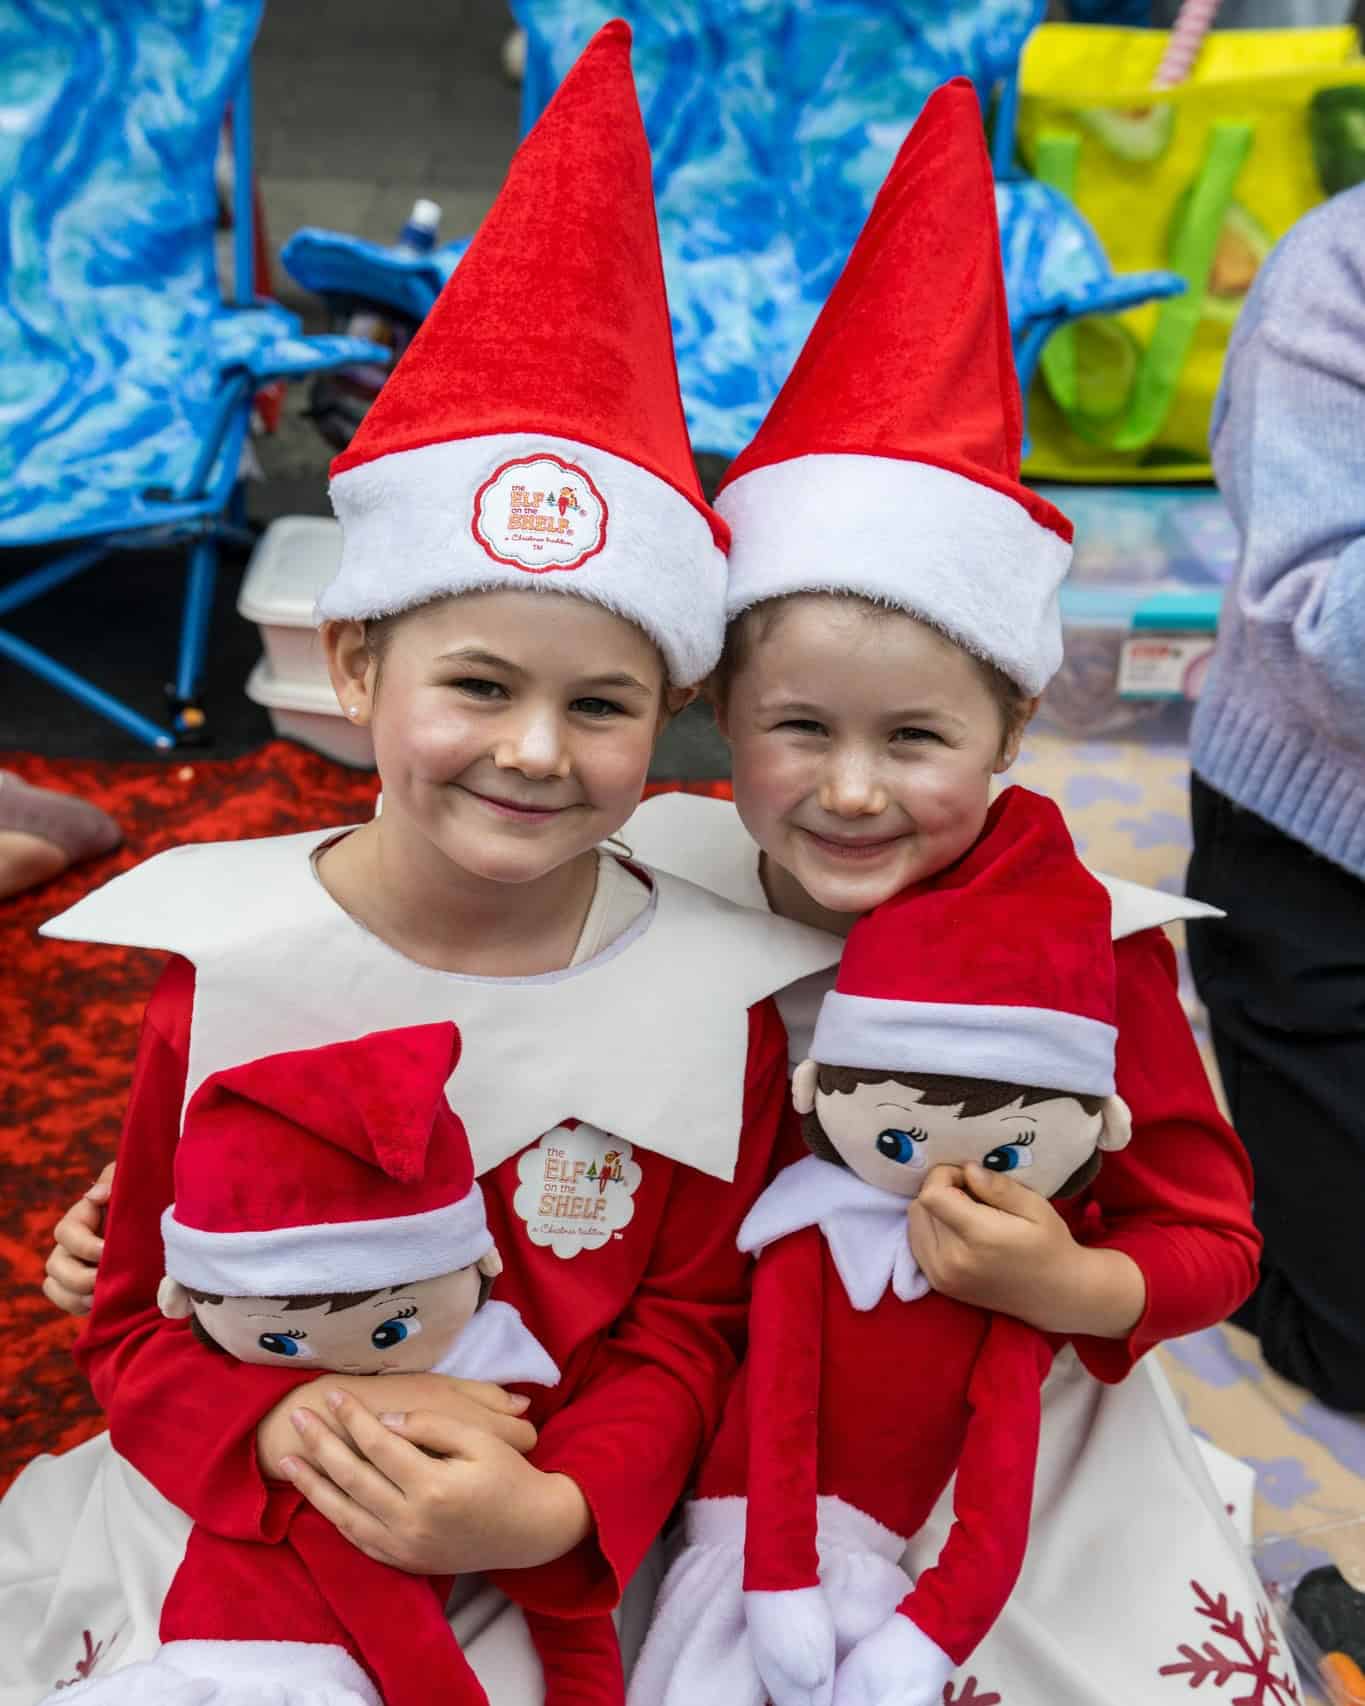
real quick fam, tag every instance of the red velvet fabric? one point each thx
(356, 1131)
(957, 938)
(314, 1586)
(911, 355)
(878, 1408)
(556, 319)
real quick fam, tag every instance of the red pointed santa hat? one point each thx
(889, 464)
(1000, 967)
(326, 1170)
(533, 434)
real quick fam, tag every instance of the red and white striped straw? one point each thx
(1192, 24)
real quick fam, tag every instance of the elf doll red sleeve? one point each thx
(972, 1020)
(326, 1216)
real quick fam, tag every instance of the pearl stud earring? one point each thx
(353, 710)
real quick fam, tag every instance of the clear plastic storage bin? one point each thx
(1141, 599)
(1292, 1566)
(293, 561)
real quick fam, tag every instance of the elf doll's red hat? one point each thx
(326, 1170)
(889, 464)
(533, 435)
(999, 967)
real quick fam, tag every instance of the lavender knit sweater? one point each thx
(1280, 728)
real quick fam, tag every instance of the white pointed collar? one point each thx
(863, 1225)
(648, 1040)
(497, 1345)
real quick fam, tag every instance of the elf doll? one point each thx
(327, 1217)
(972, 1021)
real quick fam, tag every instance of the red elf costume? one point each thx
(338, 1175)
(888, 468)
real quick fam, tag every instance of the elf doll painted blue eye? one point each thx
(397, 1328)
(283, 1344)
(1007, 1158)
(898, 1145)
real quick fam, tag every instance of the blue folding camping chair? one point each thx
(126, 380)
(772, 127)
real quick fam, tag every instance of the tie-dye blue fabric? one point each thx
(115, 344)
(772, 126)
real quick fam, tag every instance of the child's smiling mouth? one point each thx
(854, 848)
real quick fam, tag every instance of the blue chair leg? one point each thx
(200, 580)
(78, 688)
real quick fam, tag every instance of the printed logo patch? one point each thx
(577, 1188)
(539, 513)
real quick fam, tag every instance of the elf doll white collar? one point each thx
(863, 1226)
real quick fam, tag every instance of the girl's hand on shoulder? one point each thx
(75, 1256)
(432, 1495)
(982, 1238)
(476, 1404)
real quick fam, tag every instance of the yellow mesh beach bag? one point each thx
(1202, 178)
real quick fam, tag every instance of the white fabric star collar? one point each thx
(863, 1225)
(647, 1041)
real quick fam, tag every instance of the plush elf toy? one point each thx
(327, 1217)
(972, 1020)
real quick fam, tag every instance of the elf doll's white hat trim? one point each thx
(533, 434)
(1037, 1046)
(294, 1261)
(888, 466)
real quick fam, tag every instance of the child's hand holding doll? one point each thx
(983, 1238)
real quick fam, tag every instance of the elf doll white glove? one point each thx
(896, 1665)
(791, 1638)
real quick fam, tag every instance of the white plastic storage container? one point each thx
(307, 712)
(1139, 607)
(293, 561)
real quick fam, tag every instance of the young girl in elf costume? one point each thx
(514, 664)
(971, 1023)
(893, 595)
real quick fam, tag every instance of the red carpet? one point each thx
(69, 1017)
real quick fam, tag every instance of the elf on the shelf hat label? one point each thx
(540, 513)
(577, 1188)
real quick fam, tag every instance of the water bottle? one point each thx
(418, 237)
(338, 401)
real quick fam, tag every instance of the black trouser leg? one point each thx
(1283, 978)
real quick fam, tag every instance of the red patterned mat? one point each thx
(69, 1015)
